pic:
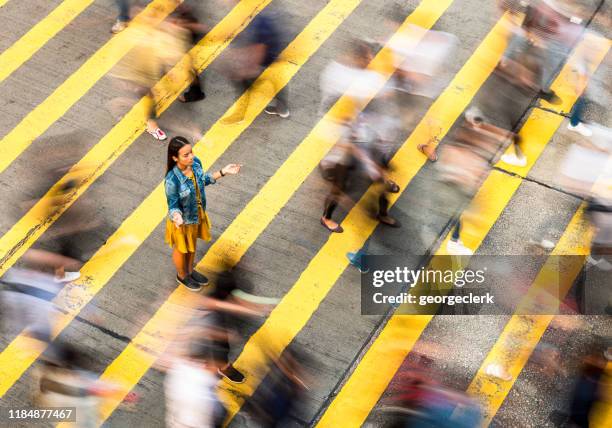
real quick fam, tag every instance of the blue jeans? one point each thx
(124, 10)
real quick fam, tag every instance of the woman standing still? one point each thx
(187, 219)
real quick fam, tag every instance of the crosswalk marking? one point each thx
(35, 123)
(137, 359)
(35, 222)
(490, 200)
(523, 332)
(23, 49)
(30, 227)
(137, 227)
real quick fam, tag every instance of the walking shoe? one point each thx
(119, 26)
(189, 283)
(282, 112)
(581, 129)
(496, 370)
(355, 259)
(68, 277)
(550, 97)
(199, 278)
(456, 248)
(231, 374)
(428, 150)
(513, 159)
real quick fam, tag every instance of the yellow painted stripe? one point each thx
(72, 89)
(3, 2)
(35, 222)
(18, 356)
(356, 399)
(12, 58)
(523, 332)
(245, 228)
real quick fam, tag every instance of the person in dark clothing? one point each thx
(258, 48)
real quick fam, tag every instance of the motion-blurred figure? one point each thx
(353, 153)
(158, 48)
(259, 47)
(281, 394)
(535, 47)
(418, 56)
(65, 381)
(190, 388)
(418, 400)
(465, 161)
(27, 297)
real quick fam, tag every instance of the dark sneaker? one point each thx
(282, 112)
(189, 283)
(199, 278)
(550, 97)
(231, 374)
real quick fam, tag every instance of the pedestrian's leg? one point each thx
(179, 261)
(576, 116)
(331, 202)
(576, 123)
(189, 259)
(124, 10)
(123, 18)
(282, 101)
(330, 205)
(457, 231)
(383, 208)
(150, 115)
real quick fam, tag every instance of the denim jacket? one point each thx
(180, 191)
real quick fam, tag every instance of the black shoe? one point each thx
(189, 283)
(282, 112)
(231, 374)
(550, 97)
(199, 278)
(388, 221)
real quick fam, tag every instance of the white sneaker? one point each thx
(456, 248)
(68, 277)
(498, 371)
(581, 129)
(514, 160)
(118, 26)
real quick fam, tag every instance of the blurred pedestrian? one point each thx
(190, 389)
(27, 297)
(157, 49)
(259, 47)
(65, 381)
(187, 219)
(184, 17)
(466, 160)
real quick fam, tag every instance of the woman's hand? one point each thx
(232, 168)
(177, 219)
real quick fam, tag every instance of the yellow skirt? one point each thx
(184, 238)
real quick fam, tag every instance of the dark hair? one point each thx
(176, 144)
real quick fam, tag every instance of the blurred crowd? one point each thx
(368, 125)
